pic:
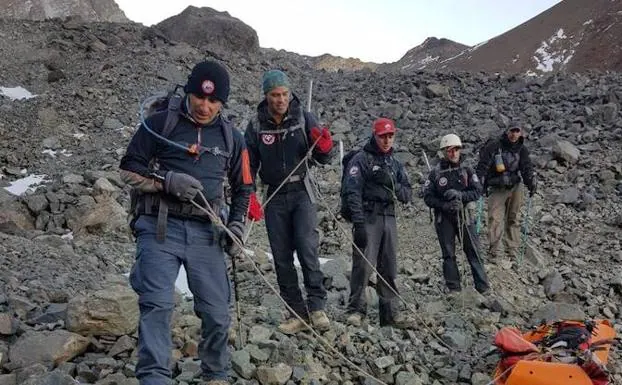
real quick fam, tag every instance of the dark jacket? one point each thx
(446, 176)
(362, 192)
(518, 166)
(276, 149)
(146, 154)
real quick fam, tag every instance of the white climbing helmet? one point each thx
(450, 140)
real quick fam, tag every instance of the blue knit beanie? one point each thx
(273, 79)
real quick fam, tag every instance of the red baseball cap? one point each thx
(384, 126)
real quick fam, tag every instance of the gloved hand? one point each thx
(255, 212)
(325, 143)
(532, 189)
(229, 246)
(185, 187)
(452, 207)
(360, 236)
(383, 178)
(452, 194)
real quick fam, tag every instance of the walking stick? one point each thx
(480, 211)
(526, 221)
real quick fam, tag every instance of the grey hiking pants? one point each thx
(381, 252)
(195, 245)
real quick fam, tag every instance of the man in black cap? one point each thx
(171, 231)
(278, 140)
(503, 164)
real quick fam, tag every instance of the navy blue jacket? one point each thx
(276, 154)
(363, 194)
(446, 176)
(146, 153)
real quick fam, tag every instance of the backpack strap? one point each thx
(172, 115)
(227, 133)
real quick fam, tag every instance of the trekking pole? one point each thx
(427, 163)
(526, 221)
(310, 95)
(478, 218)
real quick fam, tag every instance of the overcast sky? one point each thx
(371, 30)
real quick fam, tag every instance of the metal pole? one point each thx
(310, 95)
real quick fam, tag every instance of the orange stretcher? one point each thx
(557, 353)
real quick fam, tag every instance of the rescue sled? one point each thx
(557, 353)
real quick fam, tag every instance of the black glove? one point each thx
(452, 194)
(229, 246)
(183, 186)
(383, 178)
(360, 236)
(532, 189)
(452, 207)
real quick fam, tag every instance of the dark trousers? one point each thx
(291, 221)
(195, 245)
(381, 252)
(447, 231)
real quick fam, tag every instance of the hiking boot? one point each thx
(291, 326)
(320, 320)
(401, 321)
(355, 319)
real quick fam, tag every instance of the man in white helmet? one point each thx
(449, 188)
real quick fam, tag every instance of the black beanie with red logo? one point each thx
(209, 79)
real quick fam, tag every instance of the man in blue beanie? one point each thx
(278, 139)
(171, 231)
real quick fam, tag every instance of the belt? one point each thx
(154, 203)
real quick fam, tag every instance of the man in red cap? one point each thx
(375, 181)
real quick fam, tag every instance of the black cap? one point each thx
(209, 78)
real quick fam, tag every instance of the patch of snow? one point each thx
(546, 57)
(428, 59)
(78, 135)
(531, 73)
(16, 93)
(20, 186)
(588, 22)
(52, 153)
(68, 236)
(478, 45)
(609, 26)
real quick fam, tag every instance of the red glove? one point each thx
(255, 212)
(325, 144)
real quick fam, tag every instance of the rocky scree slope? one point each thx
(66, 311)
(87, 10)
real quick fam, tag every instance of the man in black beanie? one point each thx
(201, 150)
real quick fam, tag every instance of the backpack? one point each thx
(171, 102)
(344, 210)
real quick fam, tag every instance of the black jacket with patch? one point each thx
(446, 176)
(363, 195)
(276, 149)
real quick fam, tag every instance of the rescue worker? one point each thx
(170, 231)
(374, 183)
(449, 188)
(503, 164)
(278, 139)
